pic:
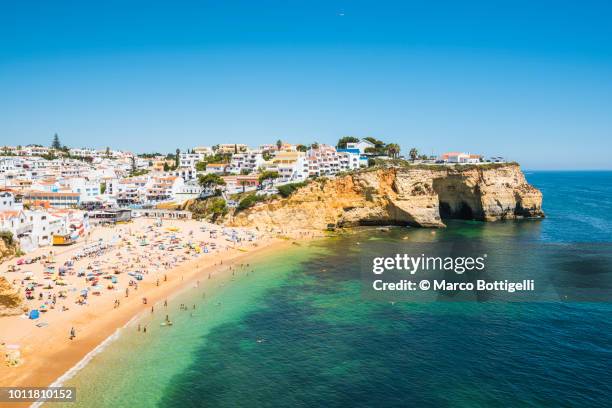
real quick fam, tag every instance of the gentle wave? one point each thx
(85, 360)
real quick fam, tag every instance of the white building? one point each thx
(163, 188)
(217, 168)
(461, 158)
(190, 159)
(87, 189)
(323, 160)
(361, 145)
(292, 166)
(248, 161)
(8, 202)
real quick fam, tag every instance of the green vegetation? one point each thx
(382, 149)
(287, 189)
(414, 153)
(7, 237)
(393, 150)
(215, 158)
(218, 208)
(268, 175)
(49, 156)
(346, 139)
(381, 163)
(102, 188)
(210, 208)
(149, 155)
(211, 181)
(249, 201)
(56, 142)
(137, 173)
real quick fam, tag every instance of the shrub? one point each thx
(7, 237)
(287, 189)
(218, 207)
(249, 201)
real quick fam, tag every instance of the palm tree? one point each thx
(414, 153)
(393, 150)
(243, 183)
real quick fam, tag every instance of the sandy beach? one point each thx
(98, 286)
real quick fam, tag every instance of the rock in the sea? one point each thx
(410, 195)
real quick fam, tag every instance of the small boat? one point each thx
(168, 323)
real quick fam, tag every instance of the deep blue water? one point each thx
(320, 343)
(327, 347)
(578, 205)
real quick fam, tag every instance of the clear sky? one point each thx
(529, 80)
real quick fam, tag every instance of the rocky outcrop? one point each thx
(11, 302)
(408, 195)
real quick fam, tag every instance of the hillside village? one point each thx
(54, 194)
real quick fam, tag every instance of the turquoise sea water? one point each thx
(297, 331)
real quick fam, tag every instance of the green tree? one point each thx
(247, 202)
(108, 154)
(393, 150)
(302, 148)
(210, 182)
(279, 144)
(177, 158)
(268, 175)
(218, 207)
(344, 140)
(243, 184)
(102, 188)
(378, 144)
(414, 153)
(201, 166)
(56, 142)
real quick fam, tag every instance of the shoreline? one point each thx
(48, 354)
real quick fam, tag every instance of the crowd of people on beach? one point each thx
(114, 262)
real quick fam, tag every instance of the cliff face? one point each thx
(11, 302)
(10, 299)
(418, 196)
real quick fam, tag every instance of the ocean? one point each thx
(297, 330)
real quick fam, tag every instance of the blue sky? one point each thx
(530, 80)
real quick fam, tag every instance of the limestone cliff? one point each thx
(11, 302)
(407, 195)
